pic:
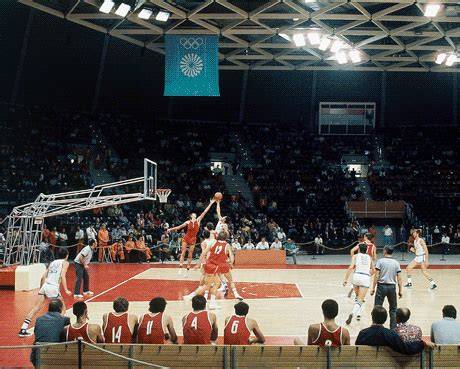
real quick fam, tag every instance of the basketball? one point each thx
(218, 196)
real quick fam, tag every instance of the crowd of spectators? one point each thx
(151, 220)
(424, 170)
(42, 151)
(299, 180)
(299, 170)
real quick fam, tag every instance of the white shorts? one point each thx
(50, 291)
(361, 280)
(420, 258)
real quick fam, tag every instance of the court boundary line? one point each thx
(300, 291)
(31, 329)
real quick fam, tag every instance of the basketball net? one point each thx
(163, 194)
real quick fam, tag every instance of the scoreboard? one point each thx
(346, 118)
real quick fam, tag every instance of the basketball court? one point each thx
(283, 299)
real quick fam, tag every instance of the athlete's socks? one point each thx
(223, 287)
(26, 323)
(409, 279)
(190, 296)
(432, 282)
(212, 304)
(236, 294)
(356, 307)
(206, 294)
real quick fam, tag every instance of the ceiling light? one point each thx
(123, 10)
(145, 13)
(341, 57)
(355, 56)
(295, 19)
(162, 16)
(336, 46)
(107, 6)
(285, 36)
(325, 42)
(314, 38)
(440, 58)
(431, 10)
(451, 59)
(299, 40)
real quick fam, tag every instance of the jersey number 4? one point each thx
(194, 324)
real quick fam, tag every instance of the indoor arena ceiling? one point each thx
(254, 34)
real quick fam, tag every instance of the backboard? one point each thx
(150, 179)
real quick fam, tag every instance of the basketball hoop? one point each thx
(163, 194)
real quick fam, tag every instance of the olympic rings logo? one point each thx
(191, 43)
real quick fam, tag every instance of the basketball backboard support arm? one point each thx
(25, 223)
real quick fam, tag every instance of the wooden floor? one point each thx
(284, 300)
(290, 315)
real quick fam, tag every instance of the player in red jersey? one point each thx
(91, 333)
(189, 241)
(225, 269)
(208, 241)
(120, 326)
(327, 333)
(155, 326)
(214, 233)
(371, 249)
(199, 326)
(238, 327)
(215, 257)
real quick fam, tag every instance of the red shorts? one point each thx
(216, 269)
(190, 241)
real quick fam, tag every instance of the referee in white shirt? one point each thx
(81, 267)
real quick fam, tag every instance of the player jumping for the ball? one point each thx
(189, 241)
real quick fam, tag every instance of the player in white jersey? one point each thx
(421, 258)
(363, 267)
(50, 281)
(222, 223)
(222, 227)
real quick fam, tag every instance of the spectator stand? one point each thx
(423, 171)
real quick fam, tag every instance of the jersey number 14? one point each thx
(116, 335)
